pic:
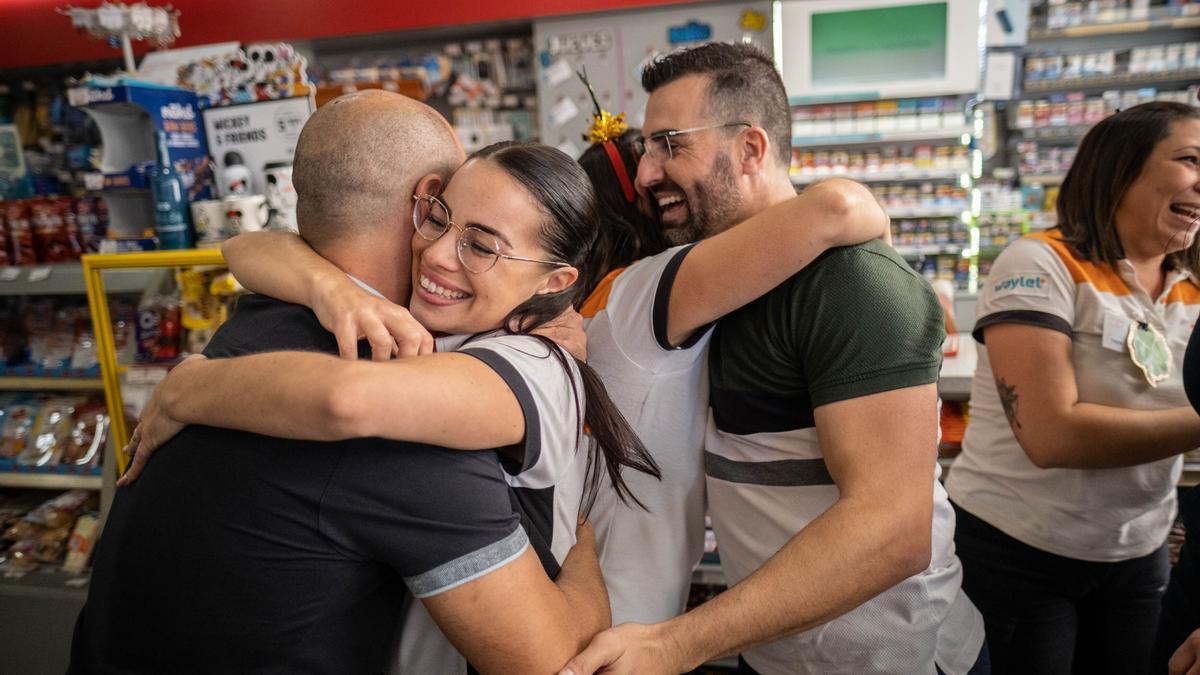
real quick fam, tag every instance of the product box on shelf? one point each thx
(128, 115)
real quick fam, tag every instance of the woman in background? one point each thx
(1065, 489)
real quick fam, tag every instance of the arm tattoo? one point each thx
(1008, 399)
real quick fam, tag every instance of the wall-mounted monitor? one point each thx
(833, 50)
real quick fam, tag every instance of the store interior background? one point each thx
(965, 161)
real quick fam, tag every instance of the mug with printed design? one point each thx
(245, 213)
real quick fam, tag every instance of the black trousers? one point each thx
(1046, 613)
(1181, 604)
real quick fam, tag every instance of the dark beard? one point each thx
(712, 207)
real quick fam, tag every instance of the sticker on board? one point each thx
(692, 31)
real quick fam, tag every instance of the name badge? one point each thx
(1116, 330)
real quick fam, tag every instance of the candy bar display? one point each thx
(1043, 70)
(1067, 13)
(811, 122)
(1075, 108)
(999, 230)
(52, 337)
(1036, 158)
(899, 198)
(887, 161)
(36, 532)
(946, 233)
(51, 229)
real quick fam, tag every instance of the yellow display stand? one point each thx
(110, 371)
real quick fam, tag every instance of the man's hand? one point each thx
(566, 330)
(1186, 660)
(633, 648)
(154, 428)
(351, 314)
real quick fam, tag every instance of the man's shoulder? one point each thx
(262, 323)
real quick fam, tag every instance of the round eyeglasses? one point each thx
(478, 250)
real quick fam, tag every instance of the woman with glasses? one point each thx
(497, 255)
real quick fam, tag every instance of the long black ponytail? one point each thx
(565, 194)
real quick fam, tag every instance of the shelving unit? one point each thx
(1125, 80)
(1116, 28)
(96, 267)
(50, 481)
(68, 279)
(914, 136)
(886, 176)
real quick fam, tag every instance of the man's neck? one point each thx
(376, 266)
(773, 190)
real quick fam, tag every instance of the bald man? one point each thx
(236, 552)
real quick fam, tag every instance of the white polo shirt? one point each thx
(1089, 514)
(648, 556)
(549, 484)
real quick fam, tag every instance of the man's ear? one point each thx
(753, 150)
(430, 185)
(560, 279)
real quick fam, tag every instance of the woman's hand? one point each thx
(352, 314)
(566, 330)
(154, 428)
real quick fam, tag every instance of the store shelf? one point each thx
(67, 279)
(942, 212)
(1125, 80)
(930, 249)
(1043, 179)
(709, 574)
(46, 583)
(1118, 28)
(49, 481)
(915, 136)
(1070, 133)
(14, 383)
(888, 176)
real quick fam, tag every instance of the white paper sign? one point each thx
(558, 72)
(10, 273)
(564, 111)
(999, 76)
(39, 274)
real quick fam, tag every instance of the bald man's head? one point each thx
(358, 159)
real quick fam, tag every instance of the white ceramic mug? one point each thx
(245, 213)
(208, 215)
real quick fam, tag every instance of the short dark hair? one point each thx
(625, 234)
(744, 86)
(561, 188)
(1110, 158)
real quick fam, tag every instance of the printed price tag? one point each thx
(10, 273)
(39, 274)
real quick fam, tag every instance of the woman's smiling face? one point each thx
(449, 298)
(1160, 210)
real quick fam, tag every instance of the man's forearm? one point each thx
(582, 583)
(848, 555)
(283, 394)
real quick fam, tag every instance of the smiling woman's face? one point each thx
(449, 298)
(1160, 210)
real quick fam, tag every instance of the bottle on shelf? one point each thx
(170, 201)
